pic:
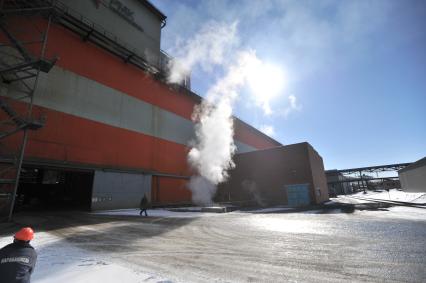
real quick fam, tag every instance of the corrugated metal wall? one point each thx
(146, 38)
(113, 190)
(169, 190)
(102, 111)
(413, 180)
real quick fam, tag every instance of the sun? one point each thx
(266, 81)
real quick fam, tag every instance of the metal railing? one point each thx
(160, 67)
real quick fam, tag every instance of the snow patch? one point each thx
(400, 212)
(59, 261)
(106, 273)
(395, 195)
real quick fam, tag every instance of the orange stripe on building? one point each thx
(88, 60)
(71, 139)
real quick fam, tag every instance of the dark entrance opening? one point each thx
(54, 189)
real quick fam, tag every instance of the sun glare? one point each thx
(266, 81)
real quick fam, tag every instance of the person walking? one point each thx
(18, 259)
(144, 205)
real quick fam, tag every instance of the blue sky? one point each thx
(355, 71)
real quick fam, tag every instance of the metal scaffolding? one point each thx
(361, 178)
(23, 41)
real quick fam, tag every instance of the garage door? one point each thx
(114, 190)
(298, 195)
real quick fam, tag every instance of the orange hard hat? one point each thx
(25, 234)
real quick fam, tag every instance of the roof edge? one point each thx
(419, 163)
(153, 9)
(257, 131)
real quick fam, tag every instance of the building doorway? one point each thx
(54, 189)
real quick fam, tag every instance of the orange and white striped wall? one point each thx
(101, 111)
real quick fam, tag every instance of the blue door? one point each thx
(298, 195)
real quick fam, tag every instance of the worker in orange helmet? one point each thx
(17, 260)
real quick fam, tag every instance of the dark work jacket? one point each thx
(144, 203)
(17, 262)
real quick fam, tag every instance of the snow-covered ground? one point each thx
(399, 212)
(270, 209)
(64, 256)
(346, 199)
(59, 261)
(395, 195)
(157, 213)
(184, 212)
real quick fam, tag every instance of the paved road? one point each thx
(367, 246)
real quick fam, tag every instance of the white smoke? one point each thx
(213, 148)
(202, 190)
(212, 151)
(209, 47)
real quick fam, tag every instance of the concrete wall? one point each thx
(144, 34)
(413, 180)
(262, 175)
(113, 190)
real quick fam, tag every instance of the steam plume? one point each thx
(209, 47)
(212, 150)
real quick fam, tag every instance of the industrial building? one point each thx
(290, 175)
(338, 184)
(351, 180)
(99, 124)
(88, 120)
(413, 177)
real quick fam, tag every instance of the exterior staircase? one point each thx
(22, 58)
